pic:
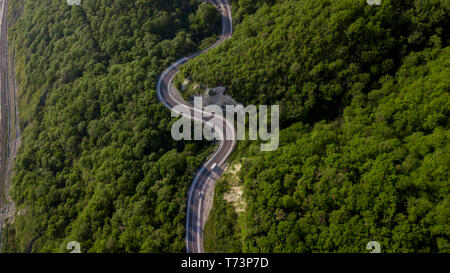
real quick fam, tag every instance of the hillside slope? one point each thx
(364, 152)
(313, 57)
(97, 163)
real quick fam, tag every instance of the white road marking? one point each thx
(229, 126)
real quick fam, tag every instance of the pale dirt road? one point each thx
(9, 122)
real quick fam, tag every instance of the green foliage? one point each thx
(221, 230)
(206, 21)
(365, 151)
(97, 164)
(243, 8)
(381, 173)
(313, 57)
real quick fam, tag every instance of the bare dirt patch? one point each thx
(235, 195)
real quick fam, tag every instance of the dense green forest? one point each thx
(364, 152)
(313, 57)
(97, 164)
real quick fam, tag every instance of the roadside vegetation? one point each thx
(364, 152)
(221, 233)
(97, 162)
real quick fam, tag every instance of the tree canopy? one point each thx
(97, 164)
(364, 152)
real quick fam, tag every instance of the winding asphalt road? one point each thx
(201, 190)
